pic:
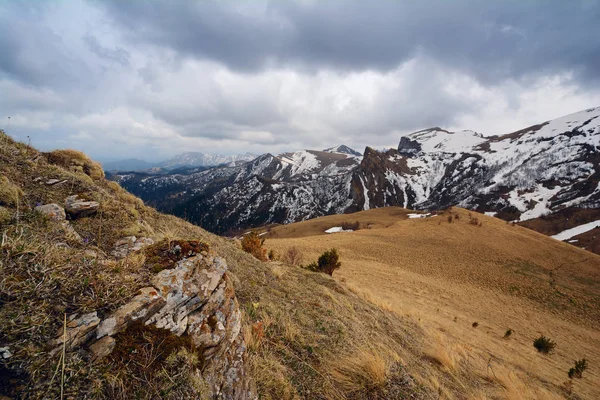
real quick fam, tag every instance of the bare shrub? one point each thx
(354, 226)
(293, 256)
(474, 221)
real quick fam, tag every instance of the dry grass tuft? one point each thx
(10, 194)
(5, 216)
(76, 161)
(360, 373)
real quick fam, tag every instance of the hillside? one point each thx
(546, 169)
(446, 276)
(301, 334)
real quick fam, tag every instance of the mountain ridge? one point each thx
(190, 159)
(518, 176)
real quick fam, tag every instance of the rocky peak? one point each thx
(409, 147)
(343, 149)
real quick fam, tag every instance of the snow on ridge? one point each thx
(337, 229)
(439, 140)
(570, 122)
(300, 162)
(417, 216)
(578, 230)
(343, 149)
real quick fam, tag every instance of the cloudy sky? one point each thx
(149, 79)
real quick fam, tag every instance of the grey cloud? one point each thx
(492, 40)
(150, 77)
(33, 53)
(118, 55)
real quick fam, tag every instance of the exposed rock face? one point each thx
(195, 299)
(408, 147)
(54, 212)
(77, 207)
(129, 244)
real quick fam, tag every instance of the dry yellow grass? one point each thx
(446, 276)
(10, 194)
(370, 219)
(297, 322)
(76, 161)
(361, 371)
(311, 324)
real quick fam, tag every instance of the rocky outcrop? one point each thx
(196, 300)
(130, 244)
(76, 207)
(54, 212)
(408, 147)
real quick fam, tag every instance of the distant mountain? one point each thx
(178, 162)
(343, 149)
(197, 159)
(131, 164)
(520, 176)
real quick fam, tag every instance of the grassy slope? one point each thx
(446, 276)
(308, 335)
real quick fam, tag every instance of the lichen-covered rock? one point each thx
(79, 330)
(141, 307)
(54, 212)
(130, 244)
(77, 207)
(195, 299)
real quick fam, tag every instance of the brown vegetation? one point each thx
(353, 226)
(252, 243)
(293, 256)
(376, 218)
(76, 161)
(498, 275)
(327, 262)
(302, 321)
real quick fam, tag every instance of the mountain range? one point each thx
(531, 174)
(184, 160)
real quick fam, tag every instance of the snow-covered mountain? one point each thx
(519, 176)
(344, 150)
(183, 160)
(130, 164)
(197, 159)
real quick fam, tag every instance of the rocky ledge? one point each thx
(194, 300)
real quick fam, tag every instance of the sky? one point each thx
(149, 79)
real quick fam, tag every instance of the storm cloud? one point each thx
(153, 78)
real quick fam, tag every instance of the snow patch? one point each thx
(414, 216)
(337, 229)
(578, 230)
